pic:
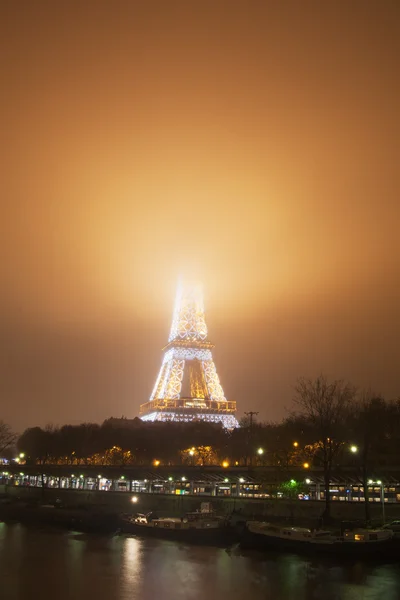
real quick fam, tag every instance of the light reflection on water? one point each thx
(53, 565)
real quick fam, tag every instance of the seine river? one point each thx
(47, 564)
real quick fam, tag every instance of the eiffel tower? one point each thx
(188, 387)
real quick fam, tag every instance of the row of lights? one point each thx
(157, 462)
(225, 463)
(170, 479)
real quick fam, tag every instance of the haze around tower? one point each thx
(254, 147)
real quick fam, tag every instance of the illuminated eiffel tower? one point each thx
(188, 387)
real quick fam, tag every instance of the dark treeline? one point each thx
(330, 425)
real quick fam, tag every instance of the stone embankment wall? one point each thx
(301, 512)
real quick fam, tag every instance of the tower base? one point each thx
(190, 409)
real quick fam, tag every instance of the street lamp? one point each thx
(191, 453)
(306, 465)
(353, 449)
(382, 499)
(295, 444)
(382, 495)
(260, 451)
(308, 481)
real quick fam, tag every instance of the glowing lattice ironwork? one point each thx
(197, 382)
(174, 382)
(214, 387)
(187, 354)
(188, 321)
(189, 349)
(228, 421)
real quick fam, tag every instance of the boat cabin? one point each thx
(367, 535)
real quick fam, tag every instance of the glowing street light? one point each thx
(295, 444)
(308, 481)
(382, 494)
(156, 462)
(260, 451)
(183, 478)
(306, 465)
(134, 499)
(353, 449)
(191, 452)
(225, 464)
(22, 455)
(241, 480)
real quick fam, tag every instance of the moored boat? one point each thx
(358, 543)
(200, 527)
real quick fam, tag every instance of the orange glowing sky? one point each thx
(254, 145)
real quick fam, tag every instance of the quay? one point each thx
(173, 490)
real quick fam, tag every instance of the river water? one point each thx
(48, 564)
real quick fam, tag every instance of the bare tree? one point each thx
(371, 420)
(7, 437)
(326, 406)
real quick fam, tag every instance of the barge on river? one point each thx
(200, 527)
(359, 543)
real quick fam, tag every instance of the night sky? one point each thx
(251, 144)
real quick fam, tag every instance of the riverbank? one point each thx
(307, 513)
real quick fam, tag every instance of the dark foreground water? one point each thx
(55, 565)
